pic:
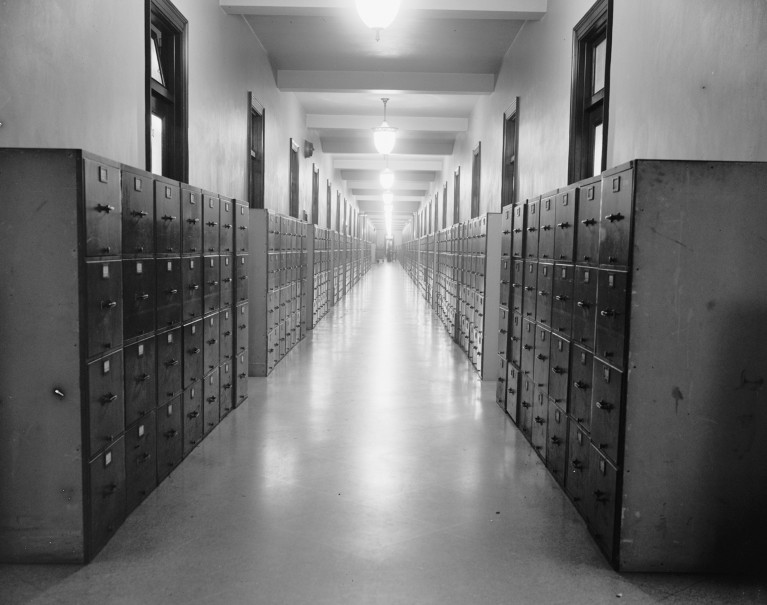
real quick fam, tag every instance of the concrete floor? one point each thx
(372, 466)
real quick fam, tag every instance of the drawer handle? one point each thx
(171, 292)
(108, 304)
(226, 226)
(580, 385)
(243, 277)
(227, 333)
(556, 440)
(110, 489)
(193, 351)
(213, 283)
(525, 404)
(516, 285)
(192, 221)
(512, 391)
(243, 326)
(171, 362)
(193, 414)
(226, 280)
(564, 225)
(104, 208)
(527, 347)
(558, 370)
(145, 458)
(514, 338)
(614, 217)
(142, 296)
(243, 375)
(144, 377)
(577, 464)
(211, 399)
(194, 286)
(603, 405)
(600, 496)
(546, 227)
(139, 213)
(583, 304)
(168, 217)
(608, 313)
(228, 385)
(108, 398)
(589, 221)
(531, 229)
(243, 228)
(59, 393)
(539, 420)
(212, 341)
(541, 356)
(560, 298)
(542, 293)
(502, 331)
(211, 223)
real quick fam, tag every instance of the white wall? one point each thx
(688, 81)
(72, 75)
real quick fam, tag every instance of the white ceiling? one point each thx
(433, 63)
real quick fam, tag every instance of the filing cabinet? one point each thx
(528, 347)
(530, 285)
(211, 240)
(226, 380)
(544, 290)
(542, 357)
(211, 401)
(518, 231)
(211, 350)
(512, 392)
(96, 372)
(547, 226)
(211, 277)
(658, 351)
(227, 281)
(226, 232)
(192, 421)
(240, 377)
(531, 228)
(540, 422)
(193, 343)
(500, 388)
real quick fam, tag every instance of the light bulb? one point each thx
(377, 14)
(387, 178)
(384, 138)
(388, 197)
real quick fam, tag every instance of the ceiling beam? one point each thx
(398, 192)
(365, 145)
(297, 80)
(376, 163)
(356, 122)
(454, 9)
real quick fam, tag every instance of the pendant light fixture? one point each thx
(377, 14)
(388, 198)
(384, 136)
(386, 177)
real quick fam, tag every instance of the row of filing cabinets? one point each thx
(615, 361)
(451, 269)
(130, 342)
(292, 289)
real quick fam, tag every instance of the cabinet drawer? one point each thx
(193, 335)
(211, 355)
(531, 228)
(505, 281)
(103, 208)
(576, 481)
(500, 387)
(138, 291)
(582, 364)
(140, 380)
(602, 498)
(585, 306)
(227, 281)
(211, 278)
(512, 392)
(241, 377)
(106, 404)
(547, 227)
(169, 365)
(140, 460)
(169, 292)
(544, 288)
(506, 226)
(241, 325)
(518, 230)
(559, 371)
(106, 478)
(226, 382)
(192, 416)
(517, 285)
(191, 287)
(241, 224)
(226, 233)
(565, 213)
(612, 294)
(540, 422)
(542, 356)
(226, 321)
(137, 212)
(191, 220)
(503, 332)
(167, 216)
(556, 442)
(530, 296)
(210, 220)
(211, 401)
(606, 409)
(528, 347)
(104, 306)
(562, 300)
(169, 437)
(241, 278)
(526, 404)
(589, 213)
(615, 226)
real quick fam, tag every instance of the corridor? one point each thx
(372, 466)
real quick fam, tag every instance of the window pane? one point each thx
(597, 150)
(156, 65)
(599, 57)
(157, 132)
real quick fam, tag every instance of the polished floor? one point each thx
(372, 466)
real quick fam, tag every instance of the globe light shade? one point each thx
(377, 14)
(388, 198)
(384, 137)
(386, 178)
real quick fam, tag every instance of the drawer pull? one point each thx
(242, 375)
(502, 331)
(542, 293)
(558, 370)
(583, 304)
(243, 326)
(226, 280)
(193, 414)
(564, 225)
(194, 286)
(603, 405)
(514, 338)
(226, 226)
(211, 223)
(531, 229)
(108, 304)
(110, 489)
(539, 420)
(580, 385)
(139, 213)
(213, 283)
(171, 363)
(108, 398)
(556, 440)
(143, 296)
(600, 496)
(144, 377)
(168, 217)
(527, 347)
(59, 393)
(608, 313)
(560, 298)
(211, 399)
(546, 227)
(614, 217)
(171, 292)
(227, 333)
(243, 228)
(589, 221)
(577, 464)
(228, 385)
(541, 356)
(193, 351)
(212, 341)
(145, 458)
(192, 221)
(104, 208)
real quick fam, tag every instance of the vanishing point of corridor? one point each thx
(372, 466)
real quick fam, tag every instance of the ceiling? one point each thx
(433, 63)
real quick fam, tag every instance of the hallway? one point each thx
(371, 467)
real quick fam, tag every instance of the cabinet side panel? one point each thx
(695, 466)
(257, 292)
(41, 516)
